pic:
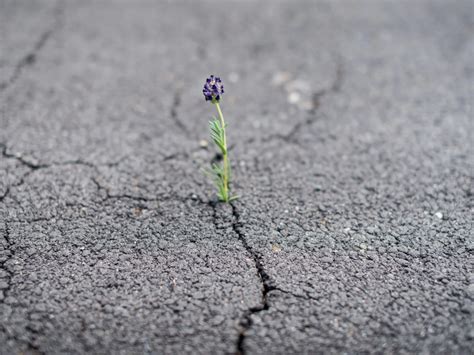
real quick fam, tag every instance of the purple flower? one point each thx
(213, 88)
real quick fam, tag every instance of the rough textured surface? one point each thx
(351, 132)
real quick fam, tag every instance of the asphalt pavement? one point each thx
(350, 130)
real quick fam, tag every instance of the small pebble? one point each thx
(439, 215)
(276, 248)
(294, 97)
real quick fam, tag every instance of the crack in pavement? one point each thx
(108, 195)
(174, 114)
(38, 166)
(30, 57)
(245, 321)
(266, 285)
(9, 255)
(156, 198)
(316, 101)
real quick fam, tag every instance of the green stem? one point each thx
(224, 154)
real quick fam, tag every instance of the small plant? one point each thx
(220, 173)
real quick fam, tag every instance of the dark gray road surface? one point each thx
(351, 131)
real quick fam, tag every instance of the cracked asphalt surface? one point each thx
(351, 144)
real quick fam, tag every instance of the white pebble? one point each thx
(294, 97)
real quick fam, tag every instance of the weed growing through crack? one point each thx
(220, 173)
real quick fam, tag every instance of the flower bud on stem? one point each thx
(213, 91)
